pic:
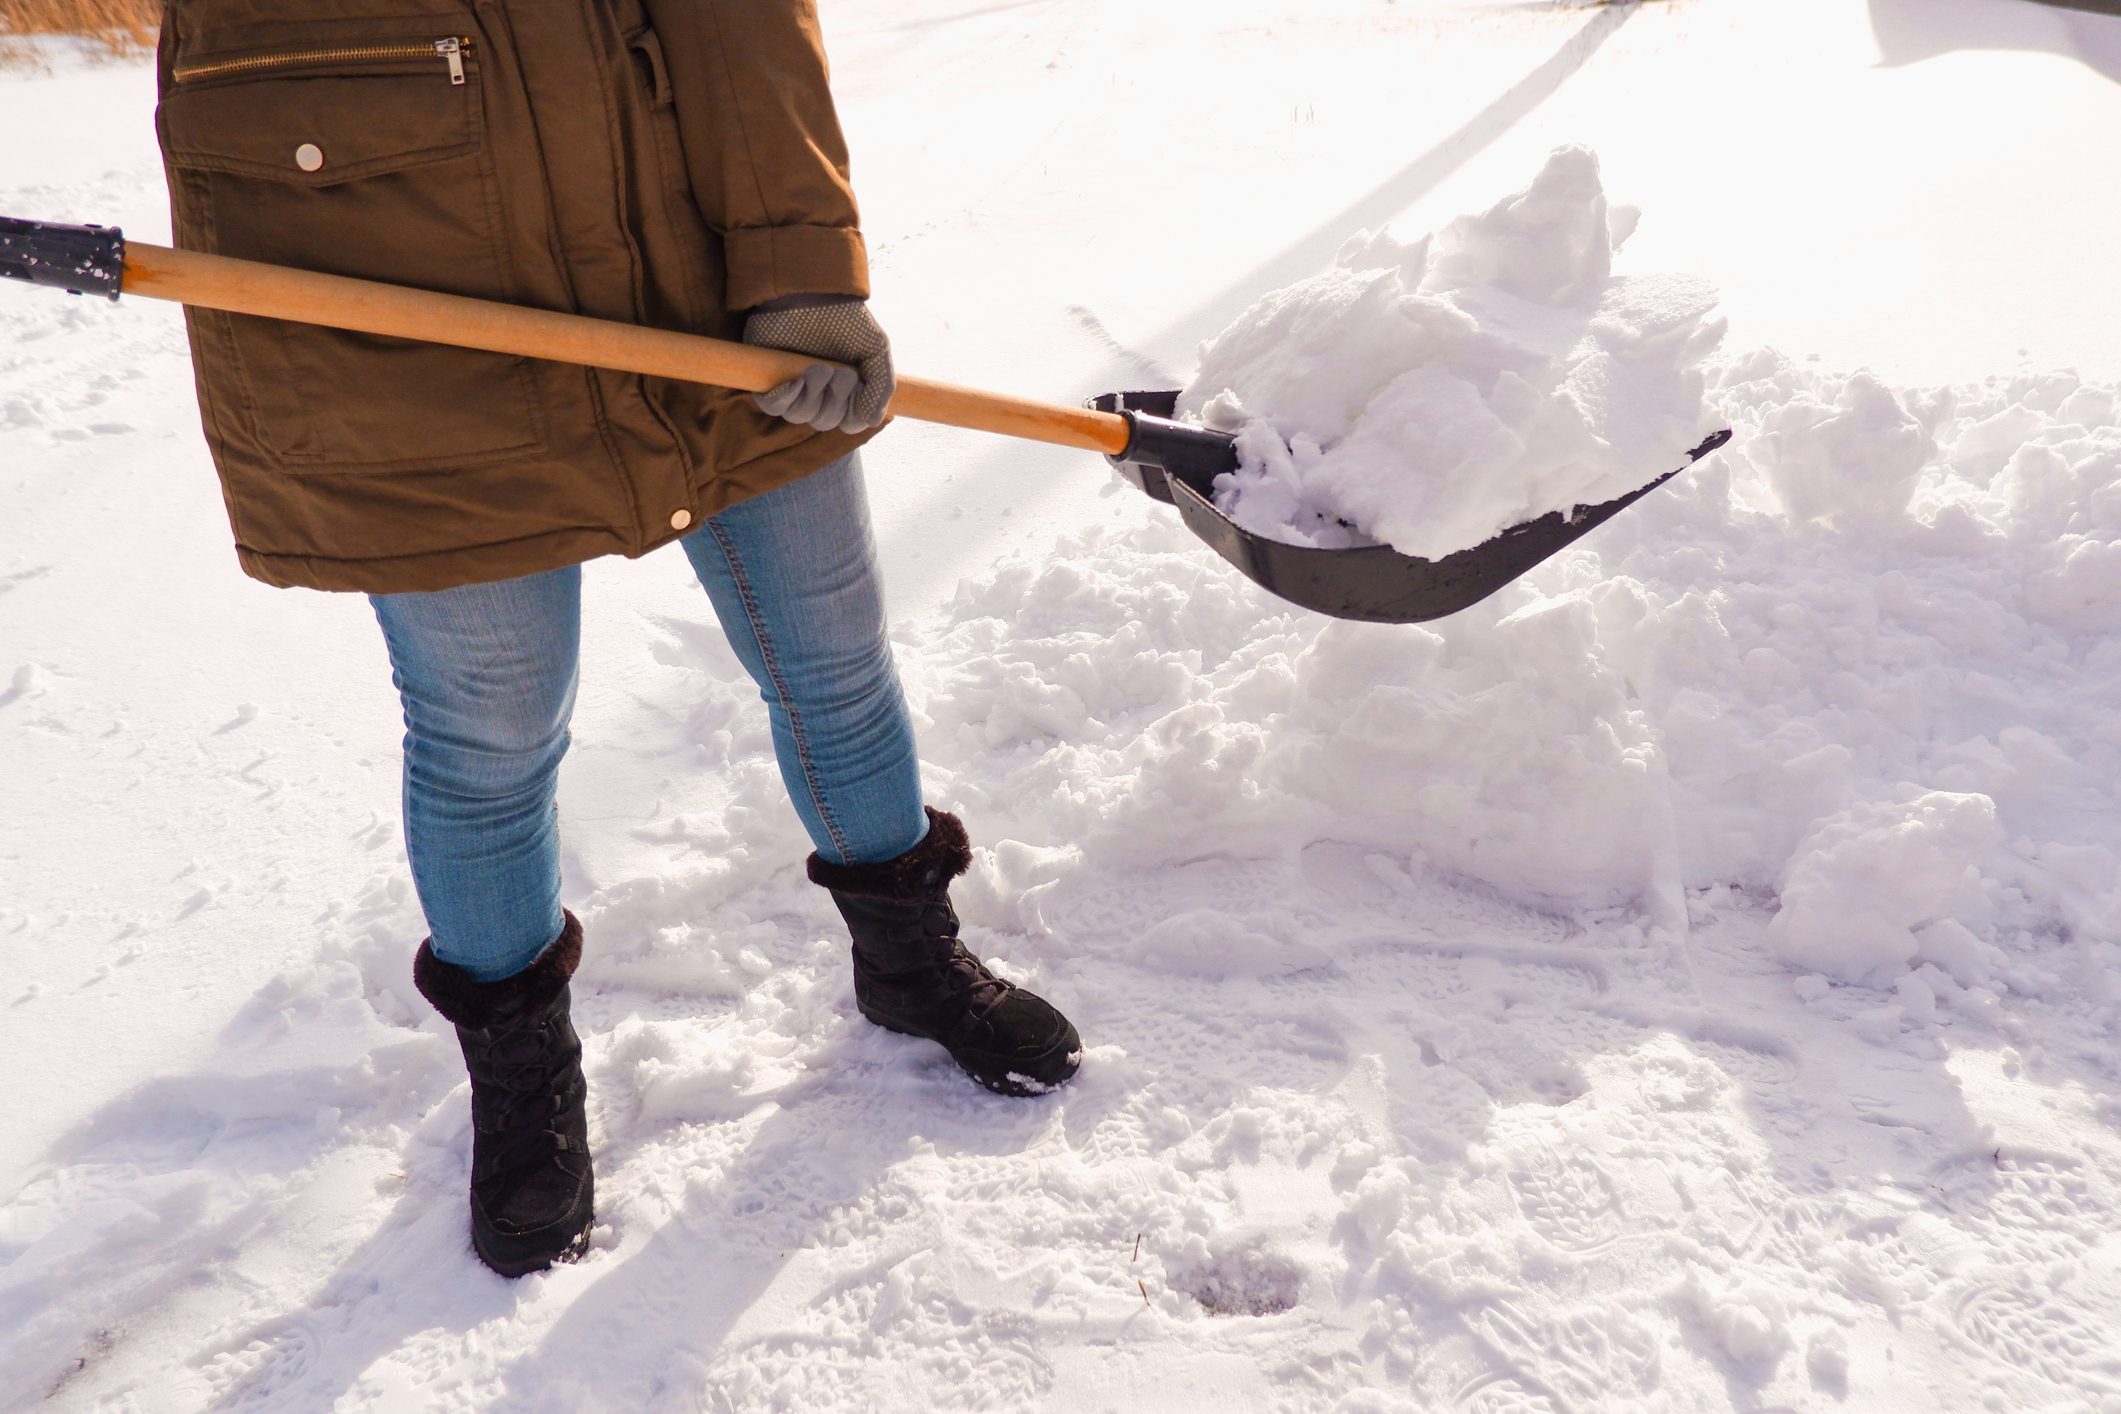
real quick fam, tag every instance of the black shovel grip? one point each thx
(82, 260)
(1159, 449)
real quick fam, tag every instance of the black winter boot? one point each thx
(912, 975)
(531, 1188)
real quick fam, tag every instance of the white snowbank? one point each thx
(1855, 662)
(1430, 394)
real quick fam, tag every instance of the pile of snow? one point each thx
(1430, 394)
(1881, 696)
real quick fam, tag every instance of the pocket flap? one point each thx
(317, 130)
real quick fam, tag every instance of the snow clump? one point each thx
(1870, 884)
(1427, 395)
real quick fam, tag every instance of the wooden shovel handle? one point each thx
(276, 292)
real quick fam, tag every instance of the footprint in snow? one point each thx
(2041, 1203)
(2036, 1331)
(258, 1374)
(1592, 1358)
(1568, 1199)
(1502, 1394)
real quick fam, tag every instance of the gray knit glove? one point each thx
(837, 327)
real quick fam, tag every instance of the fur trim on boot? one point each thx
(919, 874)
(451, 991)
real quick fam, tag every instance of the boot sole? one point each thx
(1021, 1077)
(519, 1263)
(515, 1254)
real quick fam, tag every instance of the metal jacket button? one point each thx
(309, 157)
(680, 519)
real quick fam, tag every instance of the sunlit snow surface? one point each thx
(1683, 982)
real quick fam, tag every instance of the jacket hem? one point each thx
(454, 566)
(448, 568)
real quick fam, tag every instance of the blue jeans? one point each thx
(487, 674)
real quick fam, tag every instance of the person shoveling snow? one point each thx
(1429, 395)
(529, 163)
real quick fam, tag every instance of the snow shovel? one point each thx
(1170, 460)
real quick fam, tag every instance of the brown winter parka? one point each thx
(663, 162)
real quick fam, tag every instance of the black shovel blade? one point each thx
(1371, 583)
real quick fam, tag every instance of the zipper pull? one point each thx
(453, 51)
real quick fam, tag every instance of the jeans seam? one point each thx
(780, 685)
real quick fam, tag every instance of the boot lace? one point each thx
(964, 975)
(523, 1094)
(968, 977)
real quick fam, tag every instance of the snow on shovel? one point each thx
(1172, 461)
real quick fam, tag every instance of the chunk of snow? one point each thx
(1430, 394)
(1864, 880)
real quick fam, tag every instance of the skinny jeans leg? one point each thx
(487, 675)
(793, 577)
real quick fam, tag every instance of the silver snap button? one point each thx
(309, 157)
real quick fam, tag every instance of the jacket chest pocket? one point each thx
(362, 155)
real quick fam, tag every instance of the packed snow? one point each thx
(1428, 395)
(1685, 981)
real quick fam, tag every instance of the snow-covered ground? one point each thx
(1687, 981)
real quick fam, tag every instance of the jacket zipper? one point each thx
(451, 50)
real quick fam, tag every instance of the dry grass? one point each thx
(119, 25)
